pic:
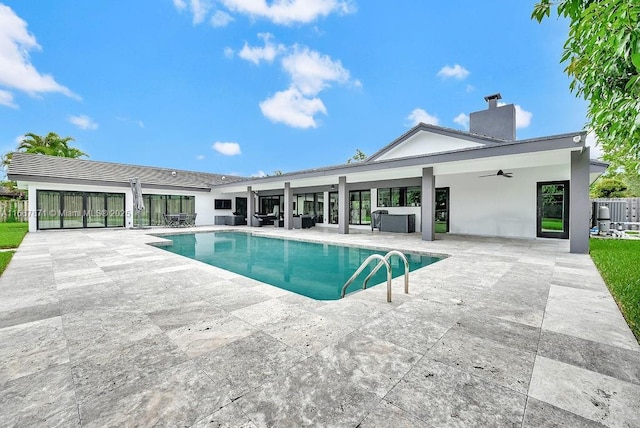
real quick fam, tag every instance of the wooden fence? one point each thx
(14, 210)
(620, 209)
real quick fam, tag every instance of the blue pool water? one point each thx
(314, 270)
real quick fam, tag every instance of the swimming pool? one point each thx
(314, 270)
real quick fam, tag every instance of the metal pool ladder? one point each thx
(384, 261)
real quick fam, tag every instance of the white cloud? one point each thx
(16, 70)
(221, 19)
(418, 115)
(456, 72)
(179, 4)
(523, 117)
(592, 141)
(6, 99)
(311, 72)
(259, 174)
(292, 108)
(462, 120)
(199, 8)
(228, 52)
(289, 11)
(129, 120)
(257, 54)
(470, 88)
(83, 122)
(200, 157)
(227, 149)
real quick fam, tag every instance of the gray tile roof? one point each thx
(35, 167)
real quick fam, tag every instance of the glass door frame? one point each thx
(443, 211)
(540, 233)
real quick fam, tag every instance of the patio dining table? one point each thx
(180, 220)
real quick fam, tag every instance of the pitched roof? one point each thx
(475, 138)
(35, 167)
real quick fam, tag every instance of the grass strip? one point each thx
(618, 263)
(11, 234)
(5, 258)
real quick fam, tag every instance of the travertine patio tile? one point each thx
(444, 396)
(388, 415)
(153, 338)
(210, 334)
(28, 314)
(249, 362)
(45, 398)
(591, 395)
(31, 347)
(306, 395)
(621, 363)
(485, 358)
(96, 331)
(178, 396)
(230, 416)
(543, 415)
(370, 363)
(590, 315)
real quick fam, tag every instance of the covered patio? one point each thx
(98, 328)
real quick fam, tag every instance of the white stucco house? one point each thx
(430, 179)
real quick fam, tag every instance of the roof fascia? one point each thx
(39, 179)
(504, 149)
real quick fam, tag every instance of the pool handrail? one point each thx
(387, 257)
(361, 268)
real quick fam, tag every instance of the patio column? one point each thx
(343, 206)
(251, 206)
(288, 206)
(579, 202)
(428, 210)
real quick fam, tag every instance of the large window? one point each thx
(271, 204)
(360, 207)
(310, 204)
(155, 206)
(399, 197)
(72, 210)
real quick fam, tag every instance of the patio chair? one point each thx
(257, 221)
(170, 220)
(183, 219)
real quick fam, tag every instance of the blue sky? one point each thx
(249, 87)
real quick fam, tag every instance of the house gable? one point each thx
(427, 139)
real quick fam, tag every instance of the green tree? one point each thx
(608, 187)
(359, 156)
(51, 144)
(602, 56)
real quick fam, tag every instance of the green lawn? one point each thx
(5, 258)
(617, 261)
(11, 234)
(441, 227)
(552, 224)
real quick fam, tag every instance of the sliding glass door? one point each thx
(73, 210)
